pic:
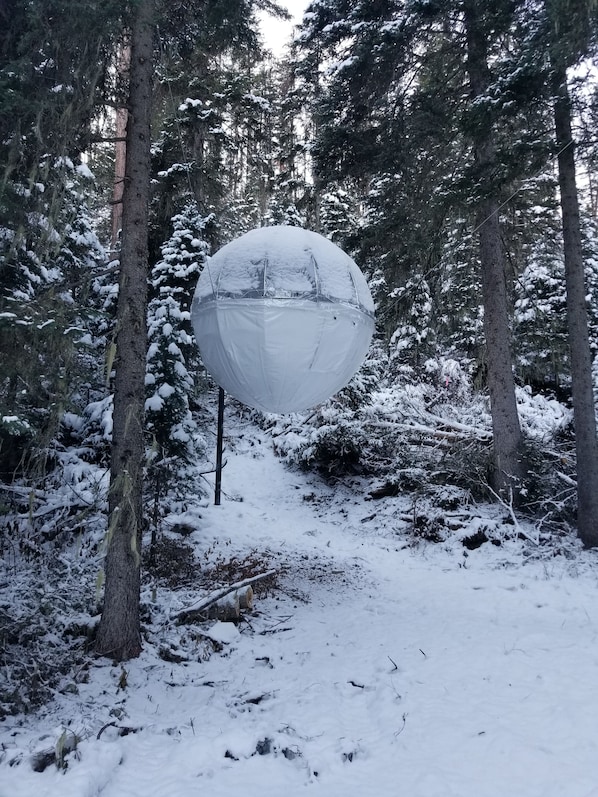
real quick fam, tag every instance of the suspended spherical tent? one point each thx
(283, 318)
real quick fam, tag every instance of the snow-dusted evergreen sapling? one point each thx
(172, 361)
(414, 340)
(539, 318)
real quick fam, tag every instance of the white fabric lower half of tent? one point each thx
(281, 355)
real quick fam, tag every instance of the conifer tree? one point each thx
(571, 30)
(54, 68)
(119, 632)
(174, 439)
(410, 103)
(186, 27)
(338, 214)
(507, 438)
(540, 324)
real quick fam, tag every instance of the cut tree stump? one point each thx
(228, 609)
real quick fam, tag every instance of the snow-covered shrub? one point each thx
(417, 434)
(331, 438)
(549, 488)
(542, 418)
(337, 445)
(450, 377)
(46, 612)
(90, 431)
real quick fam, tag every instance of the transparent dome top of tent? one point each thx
(284, 263)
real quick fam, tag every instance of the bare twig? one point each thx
(402, 728)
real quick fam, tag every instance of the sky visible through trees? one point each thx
(278, 33)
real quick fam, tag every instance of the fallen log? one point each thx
(225, 603)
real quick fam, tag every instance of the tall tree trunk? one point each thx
(120, 148)
(505, 419)
(119, 634)
(584, 413)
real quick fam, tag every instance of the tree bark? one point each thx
(507, 439)
(120, 149)
(584, 413)
(119, 634)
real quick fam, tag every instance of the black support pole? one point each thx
(219, 438)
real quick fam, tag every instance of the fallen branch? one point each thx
(25, 492)
(509, 507)
(199, 610)
(451, 430)
(468, 429)
(567, 479)
(122, 730)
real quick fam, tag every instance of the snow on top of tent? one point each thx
(284, 262)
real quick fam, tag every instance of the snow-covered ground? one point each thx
(376, 667)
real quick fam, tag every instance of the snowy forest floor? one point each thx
(374, 662)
